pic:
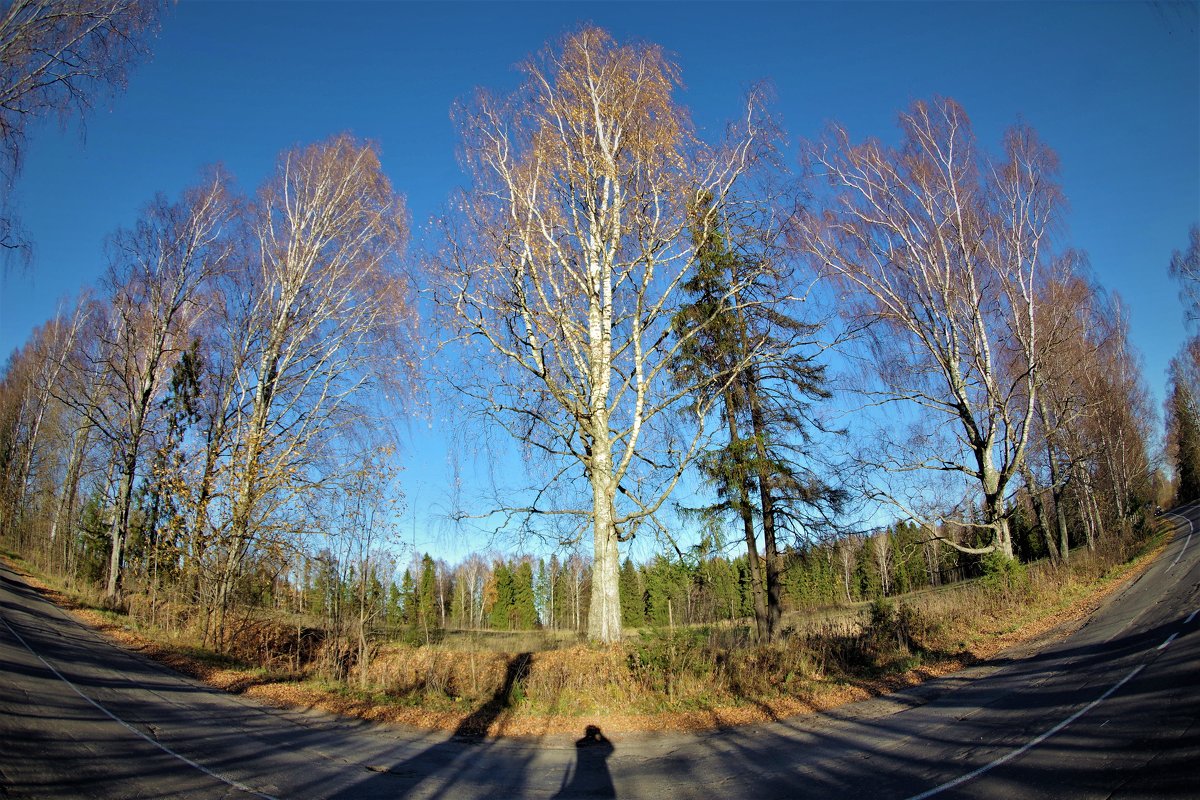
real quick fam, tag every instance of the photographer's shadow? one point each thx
(591, 777)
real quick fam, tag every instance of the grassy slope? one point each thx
(660, 681)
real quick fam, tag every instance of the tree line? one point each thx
(1182, 403)
(896, 325)
(210, 401)
(428, 598)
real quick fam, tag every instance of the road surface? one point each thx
(1110, 711)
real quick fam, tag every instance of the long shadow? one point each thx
(91, 662)
(786, 761)
(1085, 755)
(476, 725)
(445, 757)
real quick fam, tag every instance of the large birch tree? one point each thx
(562, 270)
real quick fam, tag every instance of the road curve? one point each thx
(1110, 711)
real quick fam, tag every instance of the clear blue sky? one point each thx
(1113, 87)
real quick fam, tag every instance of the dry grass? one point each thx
(509, 641)
(688, 679)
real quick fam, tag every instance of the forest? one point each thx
(809, 378)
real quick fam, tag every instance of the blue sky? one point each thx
(1114, 88)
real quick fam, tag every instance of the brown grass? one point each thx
(692, 679)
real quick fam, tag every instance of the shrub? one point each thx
(765, 670)
(891, 633)
(1003, 574)
(660, 658)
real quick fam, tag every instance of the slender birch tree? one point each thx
(155, 279)
(313, 320)
(1089, 441)
(940, 245)
(34, 377)
(1066, 318)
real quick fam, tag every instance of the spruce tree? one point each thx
(394, 615)
(408, 599)
(524, 607)
(633, 602)
(428, 613)
(667, 587)
(752, 356)
(866, 569)
(501, 616)
(723, 588)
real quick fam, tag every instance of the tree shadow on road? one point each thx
(459, 758)
(477, 723)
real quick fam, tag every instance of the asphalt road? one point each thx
(1110, 711)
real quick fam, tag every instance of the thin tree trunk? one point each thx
(1039, 510)
(758, 595)
(1057, 488)
(70, 487)
(771, 556)
(120, 527)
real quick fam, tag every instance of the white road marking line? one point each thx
(959, 781)
(131, 729)
(1185, 541)
(1030, 744)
